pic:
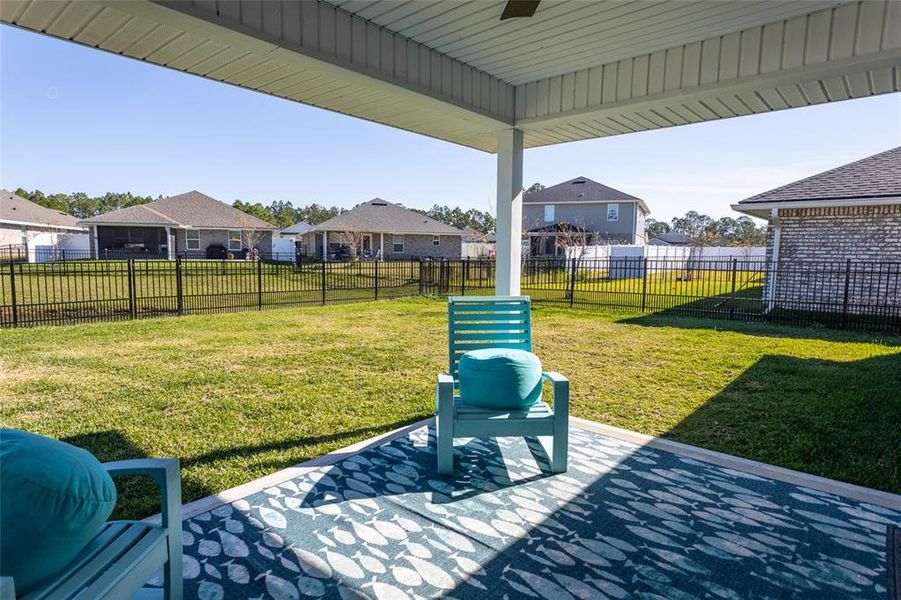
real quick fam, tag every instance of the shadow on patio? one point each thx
(625, 519)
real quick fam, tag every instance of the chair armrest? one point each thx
(167, 475)
(7, 589)
(165, 468)
(561, 392)
(444, 393)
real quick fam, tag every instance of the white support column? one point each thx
(509, 212)
(325, 245)
(382, 246)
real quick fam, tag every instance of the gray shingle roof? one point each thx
(298, 228)
(381, 216)
(192, 209)
(474, 236)
(580, 189)
(875, 176)
(18, 209)
(671, 238)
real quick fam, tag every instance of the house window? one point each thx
(234, 239)
(548, 213)
(613, 212)
(24, 233)
(436, 240)
(397, 244)
(193, 239)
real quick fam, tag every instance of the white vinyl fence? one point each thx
(52, 245)
(621, 261)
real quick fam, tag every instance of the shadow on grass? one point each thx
(834, 419)
(679, 319)
(138, 497)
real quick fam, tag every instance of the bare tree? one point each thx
(353, 239)
(250, 235)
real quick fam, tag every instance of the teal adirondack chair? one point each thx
(119, 561)
(476, 322)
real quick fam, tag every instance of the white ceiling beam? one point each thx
(349, 48)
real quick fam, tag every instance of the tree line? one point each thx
(279, 213)
(706, 231)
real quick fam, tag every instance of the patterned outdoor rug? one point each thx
(625, 521)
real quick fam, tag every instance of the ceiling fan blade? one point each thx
(519, 8)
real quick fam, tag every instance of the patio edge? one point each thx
(823, 484)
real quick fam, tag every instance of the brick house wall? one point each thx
(415, 245)
(423, 246)
(216, 237)
(815, 245)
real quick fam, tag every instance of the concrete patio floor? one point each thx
(633, 517)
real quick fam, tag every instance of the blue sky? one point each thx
(75, 119)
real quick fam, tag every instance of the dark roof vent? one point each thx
(380, 204)
(579, 182)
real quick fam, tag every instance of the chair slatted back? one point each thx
(476, 322)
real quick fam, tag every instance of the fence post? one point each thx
(12, 289)
(463, 279)
(420, 274)
(572, 285)
(644, 283)
(847, 288)
(179, 291)
(260, 284)
(132, 302)
(376, 280)
(732, 294)
(323, 281)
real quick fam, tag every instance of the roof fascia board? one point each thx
(89, 223)
(755, 208)
(46, 225)
(387, 232)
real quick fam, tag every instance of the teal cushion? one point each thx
(54, 498)
(500, 378)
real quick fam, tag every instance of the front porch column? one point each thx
(169, 253)
(509, 212)
(325, 245)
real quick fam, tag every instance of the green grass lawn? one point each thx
(237, 396)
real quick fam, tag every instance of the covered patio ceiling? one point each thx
(454, 71)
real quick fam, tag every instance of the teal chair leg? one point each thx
(560, 444)
(445, 424)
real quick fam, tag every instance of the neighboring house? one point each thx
(296, 230)
(581, 208)
(36, 231)
(852, 212)
(477, 244)
(191, 225)
(670, 238)
(296, 233)
(383, 230)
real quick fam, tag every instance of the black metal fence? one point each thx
(840, 294)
